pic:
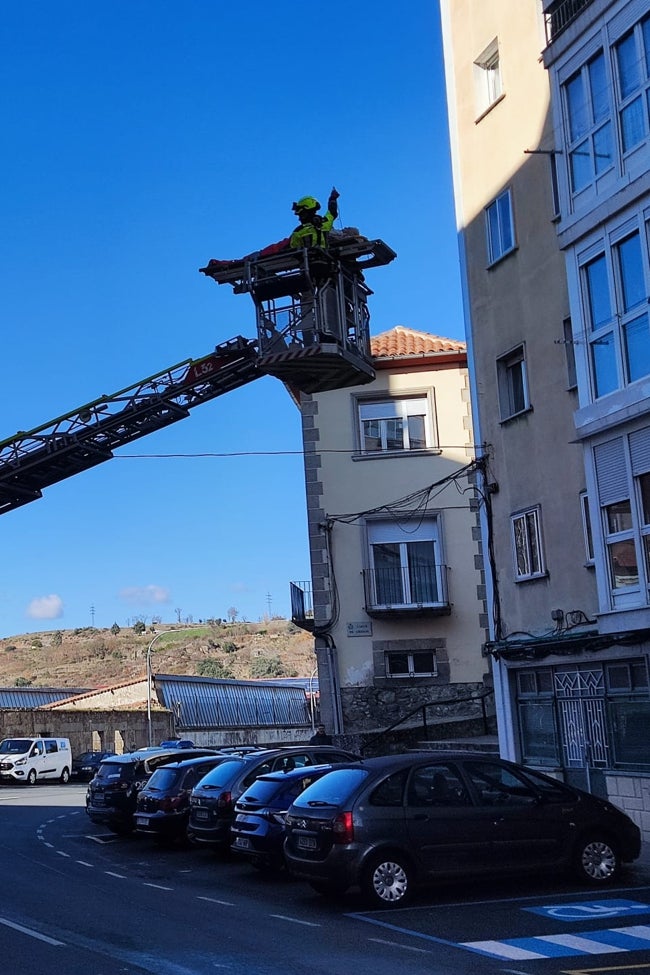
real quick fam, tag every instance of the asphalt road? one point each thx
(75, 899)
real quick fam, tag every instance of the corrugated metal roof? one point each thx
(35, 697)
(202, 702)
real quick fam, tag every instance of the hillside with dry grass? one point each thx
(90, 657)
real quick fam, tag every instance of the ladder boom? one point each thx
(88, 435)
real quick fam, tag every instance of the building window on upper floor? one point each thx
(395, 425)
(417, 663)
(500, 227)
(527, 545)
(586, 528)
(632, 59)
(620, 546)
(589, 124)
(405, 566)
(615, 297)
(487, 77)
(512, 383)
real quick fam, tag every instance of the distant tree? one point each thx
(115, 629)
(57, 638)
(229, 647)
(178, 612)
(267, 667)
(211, 667)
(22, 682)
(156, 620)
(232, 613)
(139, 627)
(37, 644)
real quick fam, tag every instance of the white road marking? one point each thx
(158, 886)
(61, 853)
(393, 944)
(31, 933)
(295, 920)
(120, 876)
(213, 900)
(84, 863)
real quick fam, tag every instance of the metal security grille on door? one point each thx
(581, 705)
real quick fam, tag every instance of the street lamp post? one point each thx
(149, 687)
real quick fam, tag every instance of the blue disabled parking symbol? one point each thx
(591, 910)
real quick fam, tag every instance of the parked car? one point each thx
(212, 803)
(394, 822)
(113, 792)
(85, 766)
(258, 830)
(163, 804)
(178, 743)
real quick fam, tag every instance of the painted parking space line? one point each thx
(635, 937)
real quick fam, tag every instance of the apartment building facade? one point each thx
(399, 614)
(554, 408)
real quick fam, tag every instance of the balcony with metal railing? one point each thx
(415, 590)
(302, 605)
(560, 14)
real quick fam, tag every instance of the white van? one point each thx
(32, 760)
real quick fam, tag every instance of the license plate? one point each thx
(242, 842)
(141, 820)
(201, 814)
(306, 843)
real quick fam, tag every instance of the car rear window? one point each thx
(334, 789)
(263, 790)
(163, 778)
(124, 771)
(219, 777)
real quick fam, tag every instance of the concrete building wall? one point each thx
(519, 302)
(341, 480)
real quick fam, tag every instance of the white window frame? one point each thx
(613, 330)
(500, 227)
(403, 533)
(383, 411)
(410, 672)
(527, 526)
(488, 82)
(512, 383)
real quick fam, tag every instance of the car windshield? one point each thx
(334, 789)
(15, 746)
(219, 777)
(85, 757)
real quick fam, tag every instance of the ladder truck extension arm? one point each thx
(312, 334)
(87, 436)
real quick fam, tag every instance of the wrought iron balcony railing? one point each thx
(560, 14)
(302, 605)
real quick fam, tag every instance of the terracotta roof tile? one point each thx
(404, 342)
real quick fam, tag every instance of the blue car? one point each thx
(258, 829)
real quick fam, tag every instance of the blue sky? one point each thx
(140, 140)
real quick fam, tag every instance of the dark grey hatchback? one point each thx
(394, 822)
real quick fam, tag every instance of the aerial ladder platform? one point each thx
(312, 334)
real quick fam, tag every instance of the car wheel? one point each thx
(387, 880)
(31, 777)
(597, 861)
(65, 776)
